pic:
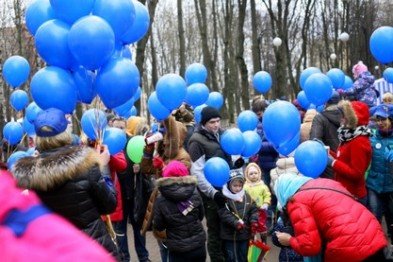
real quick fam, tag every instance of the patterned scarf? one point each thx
(346, 134)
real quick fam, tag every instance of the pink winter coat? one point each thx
(323, 212)
(30, 232)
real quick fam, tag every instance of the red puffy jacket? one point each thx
(323, 212)
(117, 163)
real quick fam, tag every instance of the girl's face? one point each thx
(236, 186)
(384, 123)
(253, 174)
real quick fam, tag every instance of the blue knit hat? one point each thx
(50, 122)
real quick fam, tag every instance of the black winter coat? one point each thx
(230, 215)
(184, 232)
(70, 181)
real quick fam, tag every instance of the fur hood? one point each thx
(177, 189)
(356, 113)
(174, 137)
(53, 168)
(184, 180)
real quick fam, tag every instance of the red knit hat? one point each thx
(175, 169)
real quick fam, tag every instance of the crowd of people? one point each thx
(337, 217)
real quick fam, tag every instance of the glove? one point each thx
(240, 225)
(254, 228)
(220, 199)
(330, 160)
(158, 163)
(388, 155)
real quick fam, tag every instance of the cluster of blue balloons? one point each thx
(76, 38)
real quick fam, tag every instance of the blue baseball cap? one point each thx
(50, 122)
(383, 110)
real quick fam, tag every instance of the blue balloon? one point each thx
(262, 81)
(381, 44)
(232, 141)
(51, 41)
(14, 157)
(71, 10)
(252, 143)
(13, 133)
(139, 27)
(32, 111)
(196, 73)
(91, 41)
(337, 77)
(281, 122)
(124, 108)
(171, 90)
(388, 75)
(115, 139)
(132, 112)
(84, 81)
(306, 73)
(54, 87)
(197, 94)
(120, 14)
(247, 120)
(302, 99)
(126, 52)
(286, 148)
(318, 89)
(16, 70)
(117, 82)
(215, 100)
(320, 108)
(197, 113)
(157, 110)
(216, 171)
(37, 13)
(347, 83)
(311, 158)
(93, 122)
(19, 100)
(28, 127)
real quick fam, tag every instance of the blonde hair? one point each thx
(387, 98)
(256, 166)
(47, 143)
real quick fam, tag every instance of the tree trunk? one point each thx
(182, 49)
(256, 52)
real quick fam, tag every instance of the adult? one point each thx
(328, 221)
(185, 115)
(354, 152)
(203, 145)
(380, 175)
(324, 128)
(73, 181)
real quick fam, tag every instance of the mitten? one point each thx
(220, 199)
(240, 225)
(158, 163)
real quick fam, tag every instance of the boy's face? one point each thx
(236, 186)
(253, 174)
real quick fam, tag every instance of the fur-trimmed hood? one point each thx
(53, 168)
(177, 189)
(174, 137)
(356, 113)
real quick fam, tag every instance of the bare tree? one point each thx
(182, 49)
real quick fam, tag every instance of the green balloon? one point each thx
(135, 148)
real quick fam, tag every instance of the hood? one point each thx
(333, 114)
(287, 185)
(309, 115)
(177, 189)
(53, 168)
(357, 113)
(247, 170)
(136, 126)
(174, 137)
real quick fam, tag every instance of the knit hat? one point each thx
(175, 169)
(208, 113)
(383, 110)
(359, 68)
(235, 175)
(334, 99)
(50, 122)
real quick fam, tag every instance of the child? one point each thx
(255, 186)
(178, 213)
(237, 218)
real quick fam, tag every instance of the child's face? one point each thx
(236, 186)
(253, 174)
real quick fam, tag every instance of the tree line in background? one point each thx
(233, 39)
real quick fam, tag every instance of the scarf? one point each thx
(347, 134)
(236, 197)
